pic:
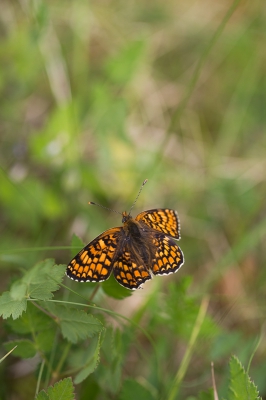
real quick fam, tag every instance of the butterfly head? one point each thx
(125, 217)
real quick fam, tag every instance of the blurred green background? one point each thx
(98, 96)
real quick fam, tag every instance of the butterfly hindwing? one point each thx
(163, 220)
(130, 271)
(94, 263)
(168, 257)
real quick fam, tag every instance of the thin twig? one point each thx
(213, 383)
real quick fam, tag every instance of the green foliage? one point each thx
(76, 242)
(206, 395)
(30, 321)
(133, 390)
(62, 390)
(37, 283)
(89, 361)
(43, 279)
(183, 308)
(10, 306)
(113, 350)
(25, 348)
(75, 324)
(241, 386)
(111, 288)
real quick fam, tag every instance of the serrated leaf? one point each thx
(241, 387)
(113, 354)
(91, 360)
(133, 390)
(112, 346)
(113, 289)
(18, 290)
(42, 396)
(76, 242)
(62, 390)
(25, 348)
(39, 283)
(75, 324)
(11, 307)
(43, 279)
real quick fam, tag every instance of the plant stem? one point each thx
(187, 357)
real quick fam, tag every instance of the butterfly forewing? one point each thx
(168, 257)
(163, 220)
(94, 263)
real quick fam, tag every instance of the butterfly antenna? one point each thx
(99, 205)
(146, 180)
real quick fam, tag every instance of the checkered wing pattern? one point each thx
(94, 263)
(168, 257)
(163, 220)
(128, 271)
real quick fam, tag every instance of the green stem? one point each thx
(39, 378)
(61, 362)
(95, 290)
(188, 354)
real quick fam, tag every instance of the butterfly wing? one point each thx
(94, 263)
(129, 268)
(163, 220)
(168, 257)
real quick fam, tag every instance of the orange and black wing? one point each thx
(129, 269)
(94, 263)
(168, 257)
(163, 220)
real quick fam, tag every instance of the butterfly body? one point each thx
(142, 247)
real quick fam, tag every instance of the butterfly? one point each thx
(142, 247)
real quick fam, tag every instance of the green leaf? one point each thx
(42, 396)
(76, 242)
(45, 340)
(62, 390)
(133, 390)
(25, 348)
(113, 354)
(206, 395)
(18, 290)
(31, 320)
(91, 360)
(75, 324)
(112, 288)
(39, 283)
(111, 349)
(11, 307)
(43, 279)
(241, 387)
